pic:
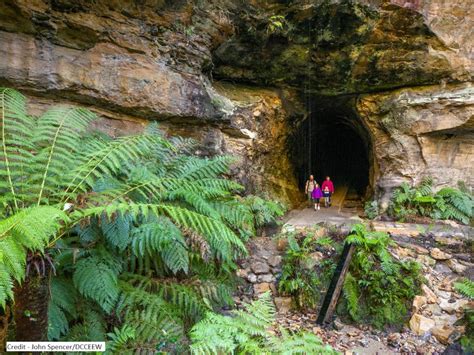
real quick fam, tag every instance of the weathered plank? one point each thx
(335, 287)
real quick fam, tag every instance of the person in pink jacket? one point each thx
(316, 195)
(328, 183)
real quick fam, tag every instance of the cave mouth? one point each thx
(333, 141)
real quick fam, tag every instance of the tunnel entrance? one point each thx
(333, 141)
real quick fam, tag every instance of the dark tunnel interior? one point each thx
(332, 141)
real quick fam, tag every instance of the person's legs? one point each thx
(316, 205)
(310, 200)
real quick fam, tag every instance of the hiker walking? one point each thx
(328, 190)
(316, 195)
(309, 187)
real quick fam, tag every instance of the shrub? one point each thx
(447, 203)
(378, 289)
(298, 277)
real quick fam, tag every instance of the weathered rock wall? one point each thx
(419, 132)
(133, 62)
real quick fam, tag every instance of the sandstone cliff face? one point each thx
(418, 132)
(403, 62)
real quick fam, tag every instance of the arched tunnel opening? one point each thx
(333, 141)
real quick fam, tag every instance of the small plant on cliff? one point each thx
(276, 24)
(371, 209)
(448, 203)
(247, 332)
(378, 289)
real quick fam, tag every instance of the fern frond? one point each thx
(351, 295)
(224, 242)
(29, 229)
(197, 168)
(117, 230)
(109, 158)
(161, 237)
(153, 318)
(58, 140)
(96, 277)
(119, 338)
(465, 287)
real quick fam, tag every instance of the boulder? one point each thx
(259, 267)
(274, 260)
(243, 273)
(282, 244)
(458, 268)
(252, 278)
(261, 288)
(452, 307)
(440, 255)
(426, 260)
(442, 333)
(418, 303)
(265, 278)
(420, 325)
(430, 295)
(448, 241)
(282, 304)
(432, 309)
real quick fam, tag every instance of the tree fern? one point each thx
(138, 205)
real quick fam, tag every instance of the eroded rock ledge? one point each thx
(405, 63)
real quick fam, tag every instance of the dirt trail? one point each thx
(336, 214)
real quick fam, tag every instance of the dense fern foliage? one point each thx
(144, 234)
(299, 278)
(378, 289)
(51, 161)
(447, 203)
(247, 332)
(161, 255)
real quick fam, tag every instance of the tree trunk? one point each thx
(31, 308)
(4, 318)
